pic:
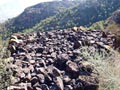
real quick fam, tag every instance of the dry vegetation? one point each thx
(114, 28)
(5, 74)
(108, 66)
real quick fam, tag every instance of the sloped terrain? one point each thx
(83, 14)
(62, 14)
(35, 14)
(111, 24)
(52, 60)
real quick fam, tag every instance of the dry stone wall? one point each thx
(51, 60)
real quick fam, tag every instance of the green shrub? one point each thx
(5, 73)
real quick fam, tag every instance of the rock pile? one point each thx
(51, 61)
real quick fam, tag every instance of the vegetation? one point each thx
(67, 14)
(84, 14)
(107, 64)
(110, 25)
(35, 14)
(62, 14)
(5, 74)
(98, 25)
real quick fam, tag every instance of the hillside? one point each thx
(61, 14)
(84, 14)
(62, 45)
(111, 23)
(35, 14)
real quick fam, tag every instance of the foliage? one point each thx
(4, 60)
(35, 14)
(111, 24)
(116, 17)
(84, 14)
(107, 64)
(62, 14)
(98, 25)
(5, 73)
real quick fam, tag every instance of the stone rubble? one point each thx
(51, 60)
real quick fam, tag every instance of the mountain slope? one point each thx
(83, 14)
(34, 14)
(111, 24)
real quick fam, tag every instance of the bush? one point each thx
(5, 74)
(108, 66)
(116, 17)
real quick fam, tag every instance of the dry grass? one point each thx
(110, 74)
(114, 28)
(5, 75)
(108, 66)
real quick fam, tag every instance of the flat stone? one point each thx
(59, 83)
(77, 44)
(44, 87)
(68, 87)
(32, 61)
(54, 71)
(75, 28)
(36, 84)
(72, 66)
(89, 82)
(41, 78)
(22, 75)
(39, 50)
(76, 52)
(64, 56)
(53, 55)
(66, 79)
(34, 81)
(26, 70)
(92, 41)
(86, 66)
(42, 70)
(29, 77)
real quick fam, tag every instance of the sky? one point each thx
(12, 8)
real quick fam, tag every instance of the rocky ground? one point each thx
(51, 60)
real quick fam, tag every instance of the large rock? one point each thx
(59, 83)
(72, 68)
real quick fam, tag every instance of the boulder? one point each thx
(77, 44)
(72, 68)
(41, 78)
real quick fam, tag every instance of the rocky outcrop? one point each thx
(51, 60)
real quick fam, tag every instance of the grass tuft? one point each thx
(108, 66)
(5, 74)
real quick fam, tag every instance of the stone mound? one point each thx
(51, 61)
